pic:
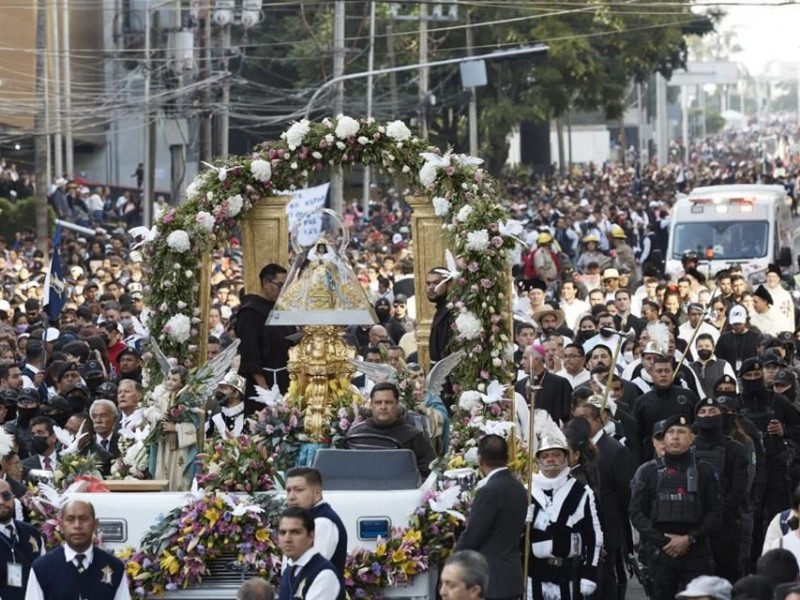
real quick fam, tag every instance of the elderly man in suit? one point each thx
(496, 520)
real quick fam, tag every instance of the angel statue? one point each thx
(176, 416)
(430, 412)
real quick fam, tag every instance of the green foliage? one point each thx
(15, 216)
(714, 122)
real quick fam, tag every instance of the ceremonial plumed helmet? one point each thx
(234, 380)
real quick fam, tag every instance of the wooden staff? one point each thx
(694, 334)
(621, 339)
(531, 459)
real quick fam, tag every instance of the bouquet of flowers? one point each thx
(241, 464)
(73, 465)
(280, 428)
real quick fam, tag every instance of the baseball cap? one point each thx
(93, 367)
(400, 299)
(737, 315)
(784, 377)
(66, 368)
(707, 586)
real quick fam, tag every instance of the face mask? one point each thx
(60, 419)
(20, 329)
(222, 399)
(751, 386)
(77, 404)
(709, 423)
(126, 323)
(628, 355)
(39, 444)
(26, 414)
(704, 354)
(728, 421)
(791, 393)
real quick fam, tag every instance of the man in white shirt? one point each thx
(574, 370)
(308, 575)
(572, 307)
(695, 320)
(783, 305)
(129, 396)
(105, 415)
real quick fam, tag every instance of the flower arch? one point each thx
(464, 197)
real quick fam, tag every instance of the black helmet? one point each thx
(106, 390)
(690, 255)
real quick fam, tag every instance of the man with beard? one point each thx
(730, 462)
(555, 393)
(130, 364)
(20, 545)
(230, 420)
(778, 421)
(566, 537)
(664, 401)
(264, 351)
(437, 284)
(676, 507)
(740, 343)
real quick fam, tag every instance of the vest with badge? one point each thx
(60, 580)
(676, 498)
(296, 586)
(26, 549)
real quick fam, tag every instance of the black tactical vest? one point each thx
(674, 503)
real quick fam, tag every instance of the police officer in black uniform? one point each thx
(777, 420)
(730, 462)
(664, 400)
(676, 507)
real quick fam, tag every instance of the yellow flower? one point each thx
(169, 563)
(262, 535)
(125, 553)
(399, 556)
(212, 515)
(413, 536)
(133, 568)
(457, 462)
(409, 568)
(380, 551)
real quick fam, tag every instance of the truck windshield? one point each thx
(730, 239)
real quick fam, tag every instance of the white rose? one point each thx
(477, 241)
(464, 213)
(329, 138)
(471, 456)
(209, 196)
(178, 241)
(205, 220)
(194, 187)
(235, 204)
(316, 155)
(346, 127)
(441, 206)
(469, 400)
(178, 328)
(427, 174)
(295, 135)
(469, 325)
(261, 169)
(363, 140)
(398, 131)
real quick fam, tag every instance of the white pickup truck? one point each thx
(371, 491)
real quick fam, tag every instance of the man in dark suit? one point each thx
(104, 415)
(496, 520)
(555, 394)
(43, 445)
(87, 445)
(624, 320)
(20, 545)
(437, 283)
(616, 466)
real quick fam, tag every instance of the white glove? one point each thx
(587, 587)
(529, 514)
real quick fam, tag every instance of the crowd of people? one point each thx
(674, 449)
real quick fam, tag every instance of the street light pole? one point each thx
(538, 48)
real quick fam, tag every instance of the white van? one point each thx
(748, 225)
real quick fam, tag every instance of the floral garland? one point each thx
(177, 551)
(241, 464)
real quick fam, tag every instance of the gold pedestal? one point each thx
(265, 239)
(429, 247)
(319, 374)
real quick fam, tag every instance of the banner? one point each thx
(302, 201)
(55, 293)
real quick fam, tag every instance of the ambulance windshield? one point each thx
(731, 240)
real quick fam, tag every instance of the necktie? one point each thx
(47, 463)
(79, 558)
(104, 444)
(12, 534)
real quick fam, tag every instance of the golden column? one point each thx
(429, 246)
(265, 239)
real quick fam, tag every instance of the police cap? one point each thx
(676, 420)
(751, 364)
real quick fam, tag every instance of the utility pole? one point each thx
(473, 96)
(424, 74)
(149, 126)
(662, 140)
(54, 55)
(205, 133)
(224, 117)
(70, 164)
(40, 141)
(47, 108)
(337, 178)
(393, 63)
(370, 68)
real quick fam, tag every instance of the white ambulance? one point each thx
(748, 225)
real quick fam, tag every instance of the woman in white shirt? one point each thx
(783, 531)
